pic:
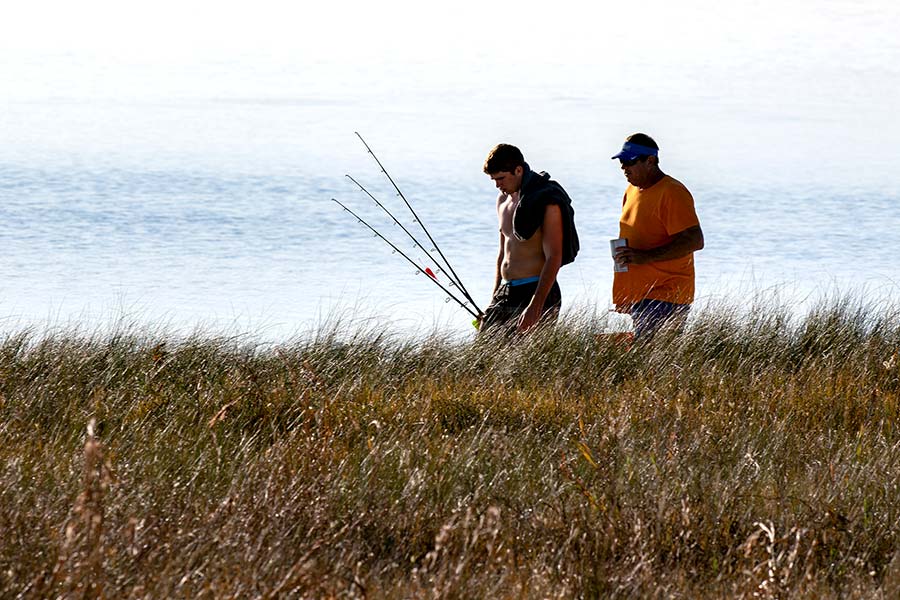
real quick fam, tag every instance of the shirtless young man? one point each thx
(537, 236)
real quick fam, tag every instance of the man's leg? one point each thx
(510, 301)
(552, 304)
(651, 315)
(502, 312)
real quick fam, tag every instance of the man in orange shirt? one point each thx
(663, 232)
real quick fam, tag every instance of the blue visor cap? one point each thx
(631, 151)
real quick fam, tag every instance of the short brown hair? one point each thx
(642, 139)
(503, 157)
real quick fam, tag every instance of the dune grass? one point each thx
(755, 456)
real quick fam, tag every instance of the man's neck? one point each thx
(652, 179)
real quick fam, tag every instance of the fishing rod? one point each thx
(405, 230)
(425, 271)
(452, 273)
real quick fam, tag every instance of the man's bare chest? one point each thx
(506, 211)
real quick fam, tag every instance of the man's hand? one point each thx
(530, 317)
(682, 244)
(632, 256)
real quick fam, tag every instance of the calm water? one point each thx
(197, 193)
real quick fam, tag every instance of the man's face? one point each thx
(638, 170)
(508, 182)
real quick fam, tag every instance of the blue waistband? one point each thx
(523, 281)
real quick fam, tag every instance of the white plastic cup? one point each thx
(613, 245)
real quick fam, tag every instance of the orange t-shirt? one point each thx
(650, 218)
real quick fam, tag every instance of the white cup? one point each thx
(618, 243)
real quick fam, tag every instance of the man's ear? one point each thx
(519, 170)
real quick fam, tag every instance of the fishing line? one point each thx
(450, 271)
(426, 272)
(405, 230)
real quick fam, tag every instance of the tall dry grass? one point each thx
(755, 456)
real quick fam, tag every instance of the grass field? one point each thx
(755, 456)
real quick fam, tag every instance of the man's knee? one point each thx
(650, 316)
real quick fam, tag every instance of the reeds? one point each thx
(755, 456)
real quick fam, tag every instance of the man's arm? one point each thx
(552, 242)
(683, 243)
(499, 263)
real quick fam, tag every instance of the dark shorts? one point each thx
(650, 315)
(510, 301)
